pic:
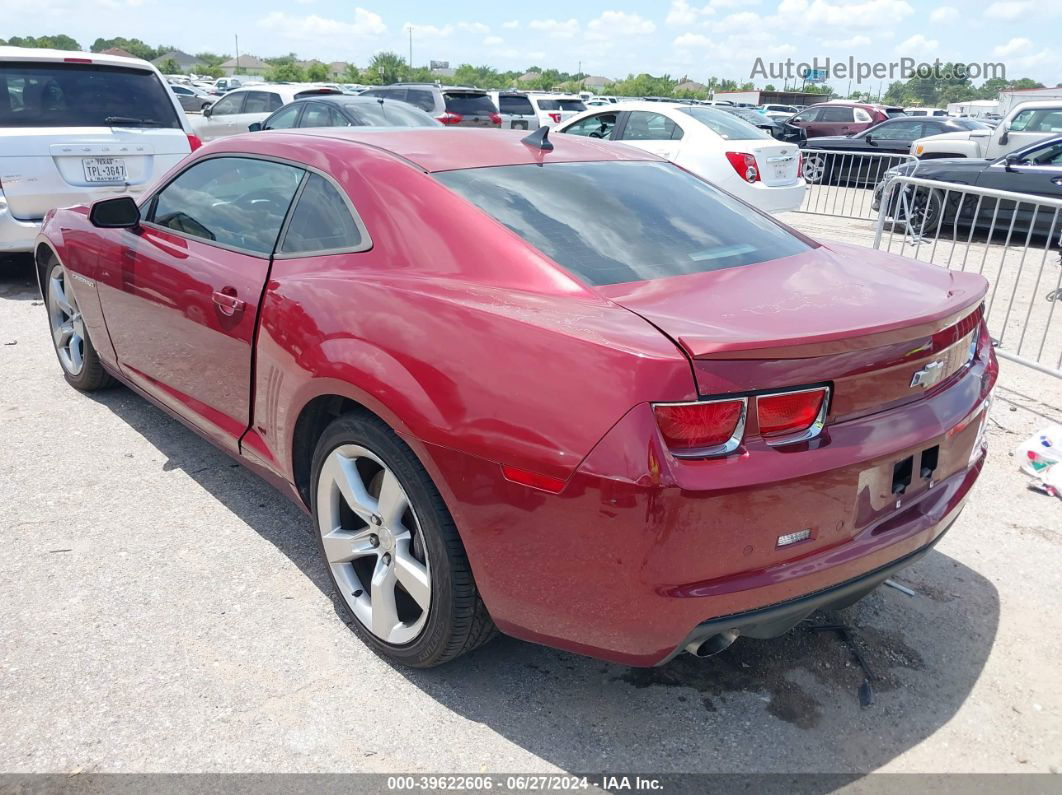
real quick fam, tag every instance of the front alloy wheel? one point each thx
(81, 365)
(814, 168)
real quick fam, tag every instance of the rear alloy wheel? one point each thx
(814, 168)
(81, 366)
(391, 547)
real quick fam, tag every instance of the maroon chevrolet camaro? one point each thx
(565, 390)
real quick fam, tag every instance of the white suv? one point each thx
(75, 127)
(235, 112)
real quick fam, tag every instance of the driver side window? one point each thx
(599, 126)
(236, 202)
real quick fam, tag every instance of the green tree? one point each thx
(317, 72)
(285, 72)
(170, 67)
(58, 42)
(388, 67)
(132, 46)
(351, 74)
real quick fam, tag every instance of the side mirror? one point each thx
(255, 126)
(1010, 161)
(118, 213)
(869, 139)
(1005, 135)
(208, 110)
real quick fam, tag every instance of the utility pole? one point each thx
(236, 70)
(410, 46)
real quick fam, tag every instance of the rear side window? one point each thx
(321, 221)
(236, 202)
(623, 221)
(516, 105)
(317, 114)
(561, 104)
(284, 119)
(421, 98)
(82, 95)
(837, 114)
(467, 104)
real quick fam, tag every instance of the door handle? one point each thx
(226, 301)
(1057, 180)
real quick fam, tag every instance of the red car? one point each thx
(840, 118)
(566, 390)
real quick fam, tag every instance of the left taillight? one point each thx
(790, 416)
(495, 119)
(194, 141)
(745, 165)
(449, 118)
(704, 428)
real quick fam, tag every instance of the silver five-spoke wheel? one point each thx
(68, 329)
(373, 543)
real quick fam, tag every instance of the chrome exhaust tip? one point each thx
(713, 644)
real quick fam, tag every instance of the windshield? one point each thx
(623, 221)
(469, 104)
(82, 95)
(562, 104)
(390, 113)
(726, 124)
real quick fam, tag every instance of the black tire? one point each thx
(815, 168)
(92, 376)
(458, 621)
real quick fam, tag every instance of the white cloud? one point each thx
(917, 45)
(612, 24)
(1008, 11)
(691, 40)
(682, 14)
(493, 41)
(555, 28)
(850, 44)
(366, 23)
(945, 15)
(1012, 47)
(512, 24)
(819, 14)
(436, 32)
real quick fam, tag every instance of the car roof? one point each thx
(448, 148)
(67, 56)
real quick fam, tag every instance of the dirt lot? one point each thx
(163, 610)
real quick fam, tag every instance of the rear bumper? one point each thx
(16, 236)
(777, 619)
(777, 199)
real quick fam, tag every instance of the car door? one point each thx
(257, 105)
(832, 120)
(320, 114)
(600, 125)
(894, 137)
(219, 122)
(650, 131)
(285, 118)
(1038, 171)
(797, 127)
(181, 291)
(1027, 127)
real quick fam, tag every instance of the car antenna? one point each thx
(539, 139)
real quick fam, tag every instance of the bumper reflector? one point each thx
(792, 538)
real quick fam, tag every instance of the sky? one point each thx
(610, 38)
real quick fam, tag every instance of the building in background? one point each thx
(246, 64)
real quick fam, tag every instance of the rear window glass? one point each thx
(613, 222)
(562, 104)
(725, 124)
(82, 95)
(518, 105)
(894, 112)
(389, 114)
(971, 124)
(469, 104)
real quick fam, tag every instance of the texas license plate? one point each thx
(781, 172)
(103, 169)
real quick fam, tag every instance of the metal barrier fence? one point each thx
(1012, 239)
(840, 183)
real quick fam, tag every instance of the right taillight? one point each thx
(449, 118)
(791, 416)
(704, 428)
(745, 165)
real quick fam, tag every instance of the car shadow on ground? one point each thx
(792, 704)
(18, 282)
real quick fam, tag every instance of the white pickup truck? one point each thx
(1026, 123)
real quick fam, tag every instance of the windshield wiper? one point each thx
(128, 121)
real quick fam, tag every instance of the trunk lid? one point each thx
(46, 167)
(862, 320)
(778, 162)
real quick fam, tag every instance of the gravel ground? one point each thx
(163, 610)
